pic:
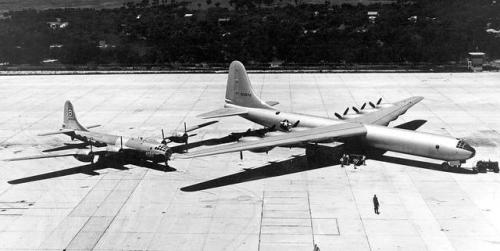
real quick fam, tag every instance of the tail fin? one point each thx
(239, 90)
(69, 120)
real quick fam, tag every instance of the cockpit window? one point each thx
(461, 144)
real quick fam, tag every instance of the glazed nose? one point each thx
(470, 149)
(472, 153)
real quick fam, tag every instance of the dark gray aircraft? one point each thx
(365, 132)
(106, 145)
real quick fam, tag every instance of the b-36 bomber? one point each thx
(363, 133)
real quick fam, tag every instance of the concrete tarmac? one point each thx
(278, 201)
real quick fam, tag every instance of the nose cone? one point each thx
(470, 149)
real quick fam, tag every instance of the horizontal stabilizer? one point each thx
(272, 103)
(62, 131)
(412, 125)
(93, 126)
(224, 112)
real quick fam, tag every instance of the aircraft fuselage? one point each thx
(145, 149)
(377, 136)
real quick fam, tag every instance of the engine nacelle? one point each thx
(113, 148)
(254, 138)
(84, 155)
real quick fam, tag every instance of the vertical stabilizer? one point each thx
(69, 120)
(239, 90)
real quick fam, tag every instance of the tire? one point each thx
(445, 166)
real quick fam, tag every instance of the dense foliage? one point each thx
(156, 33)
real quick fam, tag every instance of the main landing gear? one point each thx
(449, 164)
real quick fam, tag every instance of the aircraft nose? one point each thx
(470, 149)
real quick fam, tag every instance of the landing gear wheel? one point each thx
(445, 166)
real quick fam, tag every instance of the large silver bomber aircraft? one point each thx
(365, 131)
(106, 145)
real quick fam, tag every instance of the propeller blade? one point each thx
(121, 142)
(371, 104)
(355, 109)
(91, 151)
(296, 123)
(185, 127)
(346, 111)
(379, 101)
(363, 106)
(241, 155)
(338, 116)
(162, 134)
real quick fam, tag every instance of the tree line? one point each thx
(160, 33)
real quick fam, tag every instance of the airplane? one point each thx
(362, 133)
(108, 145)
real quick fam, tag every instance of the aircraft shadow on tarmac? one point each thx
(292, 165)
(423, 165)
(302, 163)
(90, 169)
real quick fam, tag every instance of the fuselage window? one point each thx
(437, 147)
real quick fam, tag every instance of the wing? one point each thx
(196, 127)
(41, 156)
(97, 151)
(384, 115)
(333, 132)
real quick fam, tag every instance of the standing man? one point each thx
(375, 204)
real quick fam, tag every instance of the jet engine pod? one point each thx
(84, 155)
(249, 139)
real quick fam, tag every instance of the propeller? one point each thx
(342, 116)
(379, 101)
(91, 153)
(363, 106)
(355, 109)
(185, 137)
(372, 105)
(163, 141)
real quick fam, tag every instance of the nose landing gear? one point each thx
(449, 164)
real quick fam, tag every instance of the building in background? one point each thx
(476, 61)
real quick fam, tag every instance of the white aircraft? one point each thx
(364, 132)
